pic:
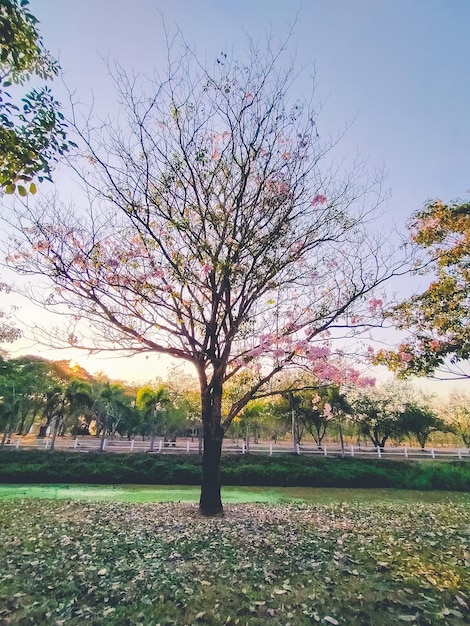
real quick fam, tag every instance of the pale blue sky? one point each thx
(400, 69)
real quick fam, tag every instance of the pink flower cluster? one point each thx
(318, 199)
(375, 304)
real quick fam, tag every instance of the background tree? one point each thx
(221, 233)
(24, 381)
(154, 405)
(456, 410)
(438, 318)
(75, 400)
(339, 409)
(250, 420)
(111, 401)
(377, 413)
(420, 422)
(184, 410)
(32, 129)
(59, 387)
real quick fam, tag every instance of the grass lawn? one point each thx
(233, 495)
(118, 563)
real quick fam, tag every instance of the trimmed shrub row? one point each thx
(282, 471)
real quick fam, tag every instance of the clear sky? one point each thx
(399, 70)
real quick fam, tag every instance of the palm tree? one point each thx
(110, 403)
(153, 402)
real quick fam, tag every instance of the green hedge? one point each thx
(280, 471)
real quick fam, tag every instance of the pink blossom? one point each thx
(366, 381)
(374, 304)
(406, 357)
(207, 269)
(352, 376)
(283, 187)
(300, 347)
(327, 373)
(327, 409)
(268, 339)
(318, 352)
(318, 199)
(257, 351)
(434, 344)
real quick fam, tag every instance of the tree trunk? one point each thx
(6, 432)
(210, 503)
(341, 438)
(20, 426)
(55, 425)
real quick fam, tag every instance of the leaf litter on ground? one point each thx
(347, 563)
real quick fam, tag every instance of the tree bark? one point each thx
(210, 503)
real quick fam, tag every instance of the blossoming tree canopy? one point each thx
(216, 230)
(437, 319)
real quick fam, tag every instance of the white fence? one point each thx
(188, 446)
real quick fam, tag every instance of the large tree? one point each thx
(437, 320)
(215, 230)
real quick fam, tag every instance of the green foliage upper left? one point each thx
(32, 128)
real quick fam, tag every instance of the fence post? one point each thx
(75, 443)
(406, 453)
(46, 444)
(270, 449)
(352, 450)
(459, 454)
(18, 441)
(132, 445)
(104, 445)
(432, 453)
(243, 447)
(160, 445)
(324, 450)
(379, 452)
